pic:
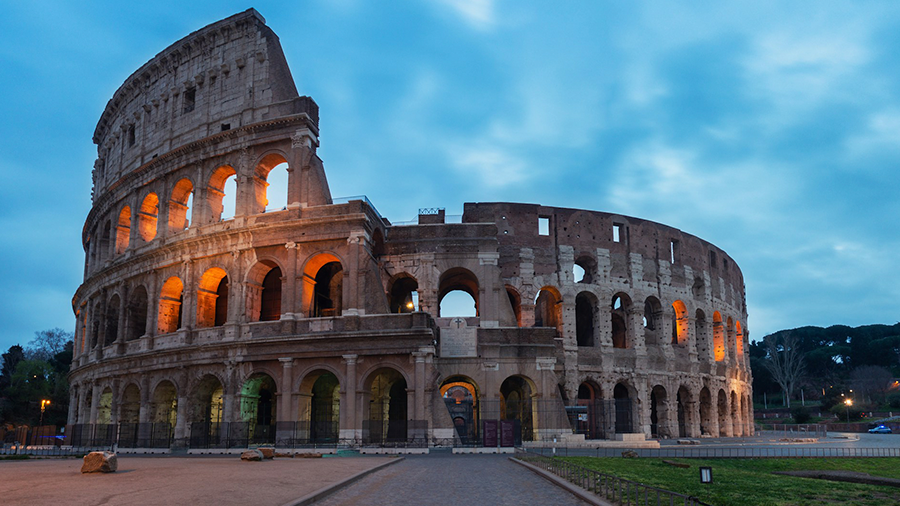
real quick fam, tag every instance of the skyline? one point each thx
(773, 137)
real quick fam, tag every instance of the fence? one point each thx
(720, 453)
(794, 430)
(611, 488)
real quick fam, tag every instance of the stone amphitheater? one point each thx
(321, 322)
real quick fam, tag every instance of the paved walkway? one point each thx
(458, 480)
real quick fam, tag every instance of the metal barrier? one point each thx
(611, 488)
(720, 453)
(794, 429)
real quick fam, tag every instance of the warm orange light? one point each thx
(409, 305)
(848, 402)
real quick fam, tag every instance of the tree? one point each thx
(872, 381)
(47, 343)
(10, 360)
(785, 362)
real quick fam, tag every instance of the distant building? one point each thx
(321, 322)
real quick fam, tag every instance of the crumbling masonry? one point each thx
(320, 322)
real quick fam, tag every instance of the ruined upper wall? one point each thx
(229, 74)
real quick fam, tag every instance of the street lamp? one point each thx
(44, 404)
(848, 403)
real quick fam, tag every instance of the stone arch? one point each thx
(164, 403)
(320, 405)
(722, 410)
(215, 191)
(206, 400)
(180, 201)
(258, 406)
(461, 397)
(586, 309)
(707, 420)
(684, 405)
(272, 161)
(624, 397)
(589, 410)
(659, 412)
(458, 279)
(515, 302)
(718, 337)
(148, 216)
(620, 309)
(137, 313)
(264, 291)
(113, 306)
(130, 406)
(212, 298)
(123, 232)
(403, 294)
(386, 405)
(680, 324)
(171, 299)
(323, 285)
(548, 308)
(653, 321)
(516, 404)
(104, 407)
(586, 266)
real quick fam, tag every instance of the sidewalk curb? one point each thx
(573, 489)
(334, 487)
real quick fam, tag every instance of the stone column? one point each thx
(419, 357)
(350, 426)
(182, 431)
(73, 404)
(95, 403)
(286, 399)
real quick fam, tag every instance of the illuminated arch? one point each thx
(147, 217)
(180, 202)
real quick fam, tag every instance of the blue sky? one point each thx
(769, 129)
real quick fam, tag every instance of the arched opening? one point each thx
(320, 406)
(679, 323)
(623, 404)
(739, 340)
(130, 408)
(460, 395)
(659, 414)
(722, 408)
(548, 308)
(589, 412)
(584, 270)
(706, 413)
(458, 294)
(206, 412)
(404, 295)
(270, 298)
(515, 302)
(222, 182)
(652, 321)
(180, 205)
(323, 286)
(585, 314)
(147, 217)
(271, 188)
(137, 314)
(516, 395)
(212, 298)
(258, 408)
(164, 404)
(104, 407)
(718, 337)
(684, 401)
(621, 306)
(123, 233)
(386, 421)
(112, 320)
(170, 304)
(702, 335)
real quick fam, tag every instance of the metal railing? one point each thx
(607, 486)
(701, 452)
(795, 430)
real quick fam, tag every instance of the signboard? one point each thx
(490, 433)
(507, 433)
(459, 341)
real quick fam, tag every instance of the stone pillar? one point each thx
(144, 410)
(95, 403)
(419, 357)
(71, 417)
(350, 426)
(182, 431)
(286, 394)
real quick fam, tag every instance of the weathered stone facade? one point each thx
(322, 319)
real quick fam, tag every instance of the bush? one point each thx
(800, 414)
(840, 411)
(894, 400)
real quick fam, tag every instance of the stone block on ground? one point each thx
(630, 454)
(100, 462)
(688, 442)
(252, 456)
(267, 453)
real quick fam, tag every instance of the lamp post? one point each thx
(44, 404)
(848, 403)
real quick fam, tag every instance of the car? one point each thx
(881, 429)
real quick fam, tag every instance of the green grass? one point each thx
(750, 482)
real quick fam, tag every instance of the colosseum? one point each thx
(320, 322)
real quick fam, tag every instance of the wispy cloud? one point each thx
(477, 13)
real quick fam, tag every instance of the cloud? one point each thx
(491, 166)
(477, 13)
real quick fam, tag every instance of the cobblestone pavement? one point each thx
(459, 480)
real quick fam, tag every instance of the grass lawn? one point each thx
(750, 482)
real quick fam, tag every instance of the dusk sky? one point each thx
(771, 129)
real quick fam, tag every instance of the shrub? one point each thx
(800, 414)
